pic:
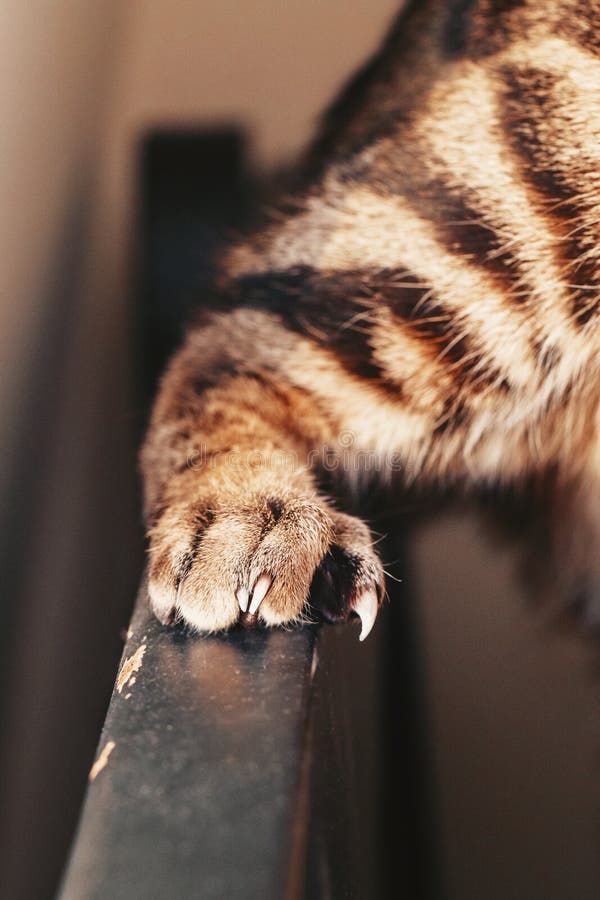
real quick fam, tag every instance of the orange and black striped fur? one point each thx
(428, 302)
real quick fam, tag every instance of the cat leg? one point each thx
(237, 526)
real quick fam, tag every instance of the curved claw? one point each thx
(243, 595)
(365, 607)
(261, 586)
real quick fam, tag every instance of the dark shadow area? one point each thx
(196, 192)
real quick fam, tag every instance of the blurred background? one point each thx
(105, 107)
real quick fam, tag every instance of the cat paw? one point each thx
(274, 561)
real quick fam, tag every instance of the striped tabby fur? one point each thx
(427, 302)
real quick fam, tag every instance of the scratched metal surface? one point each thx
(205, 781)
(198, 792)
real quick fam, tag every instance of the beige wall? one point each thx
(271, 65)
(81, 79)
(56, 64)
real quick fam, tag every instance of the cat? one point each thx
(426, 303)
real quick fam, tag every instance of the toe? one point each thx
(162, 600)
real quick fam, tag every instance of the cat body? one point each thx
(427, 303)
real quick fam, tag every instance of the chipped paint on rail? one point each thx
(129, 668)
(102, 760)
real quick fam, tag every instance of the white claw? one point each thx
(243, 595)
(258, 594)
(365, 608)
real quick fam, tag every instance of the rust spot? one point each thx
(102, 760)
(131, 665)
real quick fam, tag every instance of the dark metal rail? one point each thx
(246, 765)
